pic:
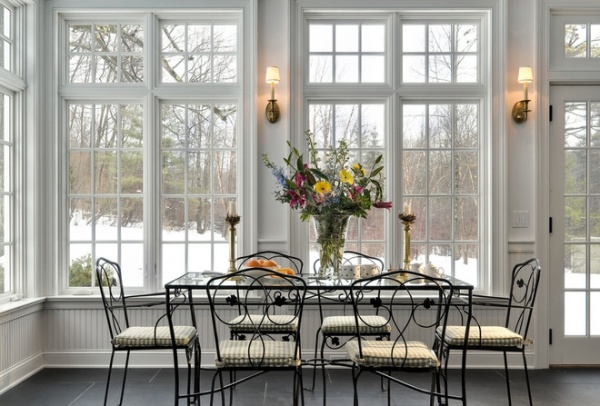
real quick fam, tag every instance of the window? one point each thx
(582, 40)
(7, 190)
(433, 99)
(12, 87)
(152, 142)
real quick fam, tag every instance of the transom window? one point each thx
(6, 37)
(582, 40)
(106, 53)
(204, 53)
(440, 52)
(343, 52)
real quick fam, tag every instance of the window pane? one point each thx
(575, 266)
(440, 38)
(413, 38)
(440, 68)
(576, 308)
(346, 69)
(594, 40)
(413, 69)
(595, 260)
(373, 38)
(321, 68)
(373, 69)
(346, 38)
(575, 218)
(575, 40)
(466, 38)
(575, 124)
(321, 38)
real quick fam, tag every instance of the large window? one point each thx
(11, 88)
(423, 113)
(152, 143)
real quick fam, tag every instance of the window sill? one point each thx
(18, 308)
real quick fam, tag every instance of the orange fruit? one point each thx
(253, 262)
(269, 262)
(287, 271)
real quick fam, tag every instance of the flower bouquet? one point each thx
(330, 190)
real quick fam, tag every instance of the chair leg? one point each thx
(507, 379)
(323, 371)
(124, 377)
(527, 378)
(110, 365)
(197, 365)
(434, 380)
(314, 377)
(355, 374)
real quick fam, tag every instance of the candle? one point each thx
(231, 210)
(406, 208)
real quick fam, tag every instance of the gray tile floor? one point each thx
(155, 387)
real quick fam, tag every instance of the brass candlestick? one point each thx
(407, 220)
(232, 220)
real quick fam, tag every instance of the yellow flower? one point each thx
(359, 168)
(322, 187)
(346, 176)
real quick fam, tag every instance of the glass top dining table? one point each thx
(323, 290)
(199, 281)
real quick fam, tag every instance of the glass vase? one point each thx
(330, 229)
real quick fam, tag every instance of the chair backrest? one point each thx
(523, 291)
(110, 282)
(354, 258)
(251, 289)
(283, 260)
(414, 307)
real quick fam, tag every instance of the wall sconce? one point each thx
(272, 110)
(519, 111)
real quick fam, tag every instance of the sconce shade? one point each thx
(525, 74)
(272, 74)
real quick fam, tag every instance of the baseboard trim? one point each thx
(17, 373)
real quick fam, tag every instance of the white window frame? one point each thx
(13, 83)
(493, 185)
(60, 93)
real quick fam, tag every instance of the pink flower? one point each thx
(299, 179)
(383, 205)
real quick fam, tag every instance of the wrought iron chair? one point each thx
(335, 326)
(272, 293)
(510, 337)
(286, 325)
(420, 303)
(125, 337)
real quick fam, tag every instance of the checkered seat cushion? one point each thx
(413, 354)
(257, 353)
(154, 337)
(261, 322)
(484, 336)
(347, 325)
